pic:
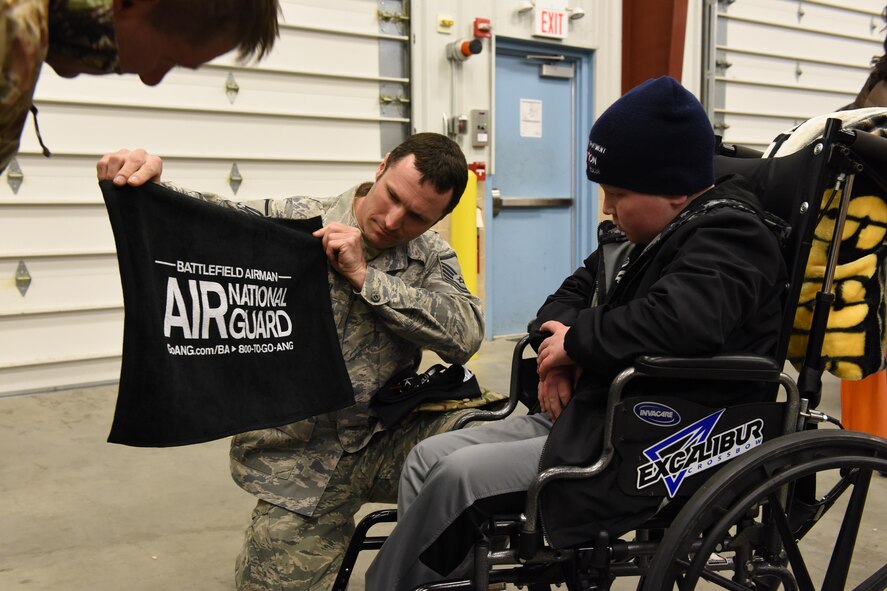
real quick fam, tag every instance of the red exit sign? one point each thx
(550, 22)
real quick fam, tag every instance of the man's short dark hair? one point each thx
(439, 160)
(251, 24)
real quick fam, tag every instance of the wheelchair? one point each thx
(741, 524)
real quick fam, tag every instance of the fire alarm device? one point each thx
(480, 169)
(482, 28)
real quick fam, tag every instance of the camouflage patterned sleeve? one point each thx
(23, 45)
(202, 195)
(291, 208)
(435, 311)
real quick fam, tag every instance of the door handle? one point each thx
(500, 203)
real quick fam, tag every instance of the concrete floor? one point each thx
(77, 513)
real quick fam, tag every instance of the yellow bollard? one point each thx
(463, 232)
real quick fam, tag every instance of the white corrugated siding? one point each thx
(776, 63)
(306, 120)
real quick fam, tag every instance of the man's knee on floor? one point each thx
(285, 573)
(285, 550)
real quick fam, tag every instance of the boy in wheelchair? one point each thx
(687, 267)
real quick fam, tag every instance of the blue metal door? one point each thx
(538, 211)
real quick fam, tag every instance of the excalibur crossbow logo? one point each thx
(695, 449)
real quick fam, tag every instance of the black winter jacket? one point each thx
(712, 282)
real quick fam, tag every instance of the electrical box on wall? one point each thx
(480, 128)
(457, 125)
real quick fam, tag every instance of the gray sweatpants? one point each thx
(443, 476)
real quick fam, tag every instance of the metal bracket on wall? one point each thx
(557, 71)
(387, 99)
(14, 176)
(22, 278)
(394, 17)
(231, 88)
(234, 178)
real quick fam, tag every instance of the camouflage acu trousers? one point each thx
(285, 551)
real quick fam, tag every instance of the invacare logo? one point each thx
(657, 414)
(696, 448)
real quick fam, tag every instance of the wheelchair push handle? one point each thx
(738, 151)
(872, 148)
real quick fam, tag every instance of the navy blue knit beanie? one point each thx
(656, 139)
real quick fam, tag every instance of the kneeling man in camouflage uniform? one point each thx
(396, 289)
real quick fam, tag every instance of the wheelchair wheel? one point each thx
(760, 524)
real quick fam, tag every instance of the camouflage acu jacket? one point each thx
(79, 33)
(413, 298)
(25, 40)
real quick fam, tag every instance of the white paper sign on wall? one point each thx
(530, 118)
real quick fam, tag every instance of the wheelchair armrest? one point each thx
(485, 415)
(719, 367)
(513, 394)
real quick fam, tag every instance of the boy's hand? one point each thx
(133, 168)
(344, 250)
(551, 351)
(555, 391)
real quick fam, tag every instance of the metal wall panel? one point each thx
(39, 339)
(47, 230)
(79, 282)
(772, 64)
(208, 134)
(307, 120)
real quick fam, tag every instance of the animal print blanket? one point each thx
(856, 335)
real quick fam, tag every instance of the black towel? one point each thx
(228, 324)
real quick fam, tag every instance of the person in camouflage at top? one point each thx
(396, 288)
(144, 37)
